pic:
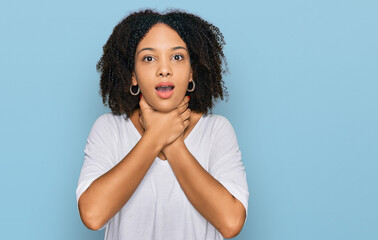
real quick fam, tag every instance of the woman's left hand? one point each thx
(180, 139)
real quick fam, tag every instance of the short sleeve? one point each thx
(225, 163)
(98, 155)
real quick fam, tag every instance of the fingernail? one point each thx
(140, 96)
(189, 97)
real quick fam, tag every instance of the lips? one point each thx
(165, 89)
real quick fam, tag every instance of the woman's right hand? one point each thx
(113, 189)
(164, 127)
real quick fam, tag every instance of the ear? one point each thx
(191, 75)
(134, 82)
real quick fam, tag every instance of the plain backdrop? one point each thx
(302, 83)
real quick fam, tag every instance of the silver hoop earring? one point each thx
(131, 90)
(193, 87)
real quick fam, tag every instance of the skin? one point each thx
(162, 56)
(163, 125)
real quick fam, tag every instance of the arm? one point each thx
(110, 192)
(208, 196)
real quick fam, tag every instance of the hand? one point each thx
(165, 127)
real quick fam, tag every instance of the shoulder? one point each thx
(217, 122)
(218, 128)
(110, 117)
(109, 122)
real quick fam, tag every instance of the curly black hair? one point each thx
(205, 45)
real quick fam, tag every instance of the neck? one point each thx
(194, 118)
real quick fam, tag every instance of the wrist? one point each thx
(153, 141)
(174, 147)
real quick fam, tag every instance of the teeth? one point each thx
(164, 88)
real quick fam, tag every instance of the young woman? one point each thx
(160, 166)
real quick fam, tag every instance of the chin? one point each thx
(164, 107)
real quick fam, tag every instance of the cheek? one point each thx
(142, 77)
(183, 74)
(182, 88)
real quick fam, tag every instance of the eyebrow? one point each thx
(153, 49)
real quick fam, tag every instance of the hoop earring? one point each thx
(193, 87)
(131, 90)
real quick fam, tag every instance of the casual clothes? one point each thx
(159, 209)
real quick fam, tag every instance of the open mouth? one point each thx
(165, 89)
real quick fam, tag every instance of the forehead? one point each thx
(161, 36)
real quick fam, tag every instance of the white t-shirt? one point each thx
(159, 209)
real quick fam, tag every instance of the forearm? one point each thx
(207, 195)
(110, 192)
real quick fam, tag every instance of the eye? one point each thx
(178, 57)
(148, 59)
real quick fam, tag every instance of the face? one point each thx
(162, 68)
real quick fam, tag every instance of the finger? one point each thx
(183, 107)
(186, 123)
(184, 101)
(141, 121)
(142, 102)
(186, 114)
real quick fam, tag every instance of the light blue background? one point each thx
(303, 85)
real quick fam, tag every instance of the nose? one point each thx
(164, 69)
